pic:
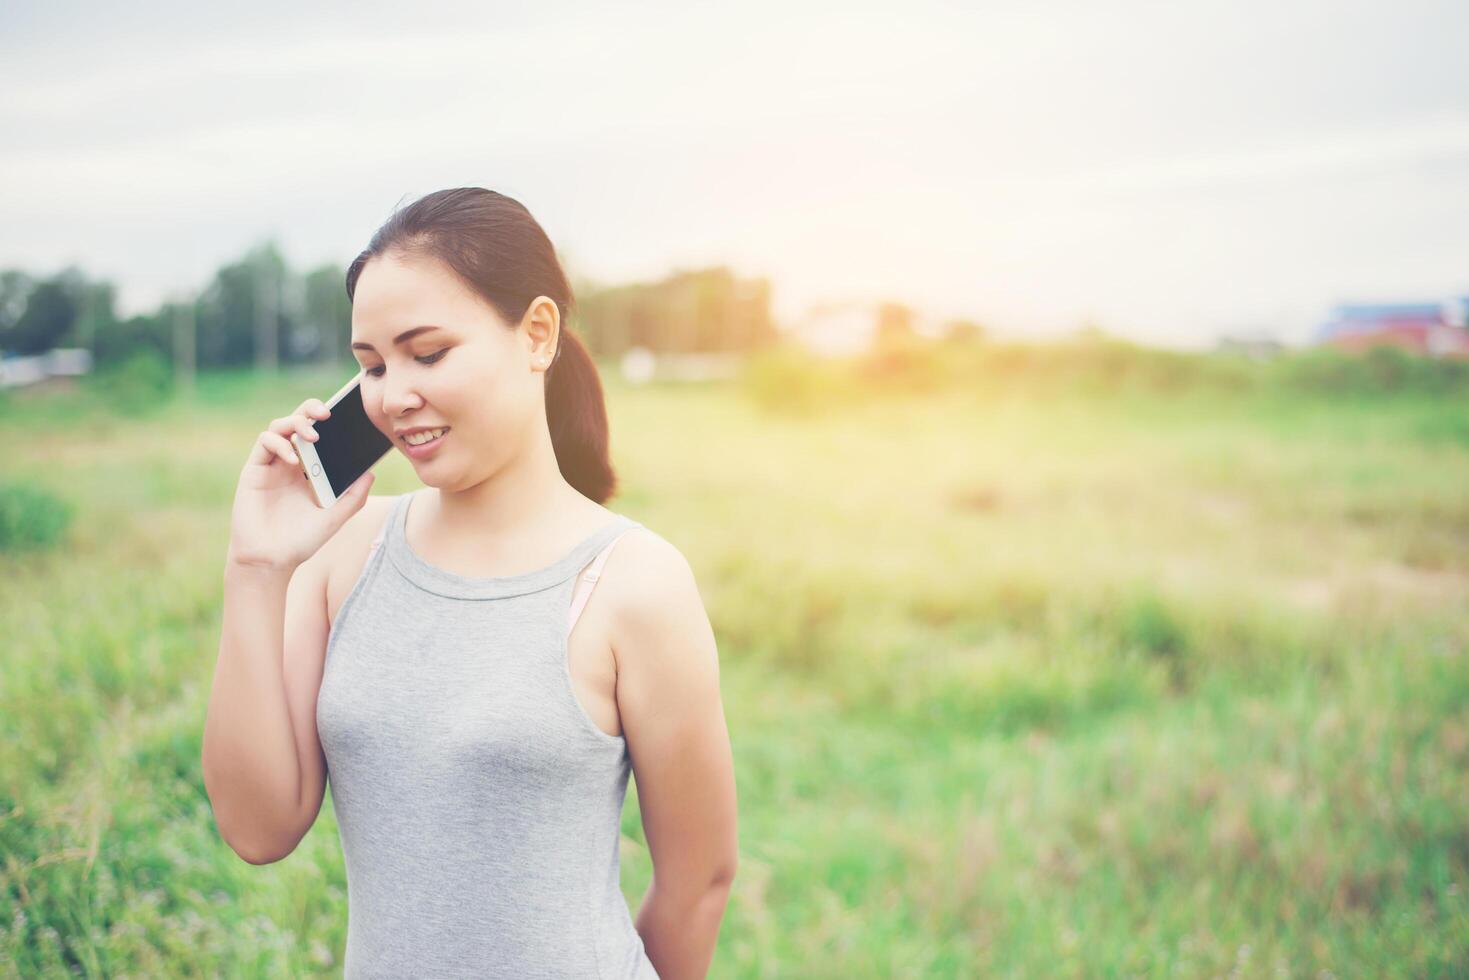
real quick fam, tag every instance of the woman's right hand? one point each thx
(276, 521)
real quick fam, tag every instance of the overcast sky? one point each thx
(1168, 171)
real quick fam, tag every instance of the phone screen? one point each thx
(350, 444)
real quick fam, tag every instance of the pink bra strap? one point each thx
(589, 581)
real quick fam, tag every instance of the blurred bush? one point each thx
(790, 379)
(1379, 370)
(31, 517)
(787, 379)
(136, 385)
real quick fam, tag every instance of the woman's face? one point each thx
(471, 374)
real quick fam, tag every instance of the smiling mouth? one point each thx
(427, 442)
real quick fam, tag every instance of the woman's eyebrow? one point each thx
(403, 337)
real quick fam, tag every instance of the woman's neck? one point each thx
(528, 499)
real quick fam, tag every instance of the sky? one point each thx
(1169, 172)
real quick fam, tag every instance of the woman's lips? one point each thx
(427, 449)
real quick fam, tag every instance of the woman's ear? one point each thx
(542, 327)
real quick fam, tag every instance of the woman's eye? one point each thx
(429, 359)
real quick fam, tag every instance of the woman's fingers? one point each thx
(277, 445)
(274, 442)
(313, 408)
(268, 446)
(298, 424)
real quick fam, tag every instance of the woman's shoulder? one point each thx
(641, 546)
(648, 575)
(362, 527)
(373, 517)
(348, 549)
(658, 627)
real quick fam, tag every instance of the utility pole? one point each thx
(184, 343)
(86, 321)
(305, 338)
(267, 325)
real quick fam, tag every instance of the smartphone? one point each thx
(347, 445)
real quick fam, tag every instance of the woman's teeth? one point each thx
(419, 438)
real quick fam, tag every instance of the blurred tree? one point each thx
(94, 301)
(963, 332)
(15, 289)
(120, 340)
(240, 318)
(256, 312)
(326, 309)
(47, 321)
(303, 339)
(894, 323)
(690, 311)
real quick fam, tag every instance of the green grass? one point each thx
(1047, 679)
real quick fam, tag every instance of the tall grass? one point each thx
(1114, 663)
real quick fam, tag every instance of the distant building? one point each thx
(640, 365)
(60, 362)
(1436, 329)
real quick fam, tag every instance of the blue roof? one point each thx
(1385, 311)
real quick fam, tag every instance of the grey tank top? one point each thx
(479, 806)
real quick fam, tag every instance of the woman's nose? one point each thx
(397, 400)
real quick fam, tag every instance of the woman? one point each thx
(477, 703)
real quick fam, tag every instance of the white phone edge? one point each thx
(311, 463)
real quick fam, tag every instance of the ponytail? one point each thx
(577, 416)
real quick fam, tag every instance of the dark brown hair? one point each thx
(494, 245)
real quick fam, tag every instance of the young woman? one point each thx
(443, 656)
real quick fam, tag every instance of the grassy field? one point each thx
(1022, 680)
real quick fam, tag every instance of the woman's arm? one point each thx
(673, 718)
(262, 762)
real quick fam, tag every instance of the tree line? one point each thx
(258, 311)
